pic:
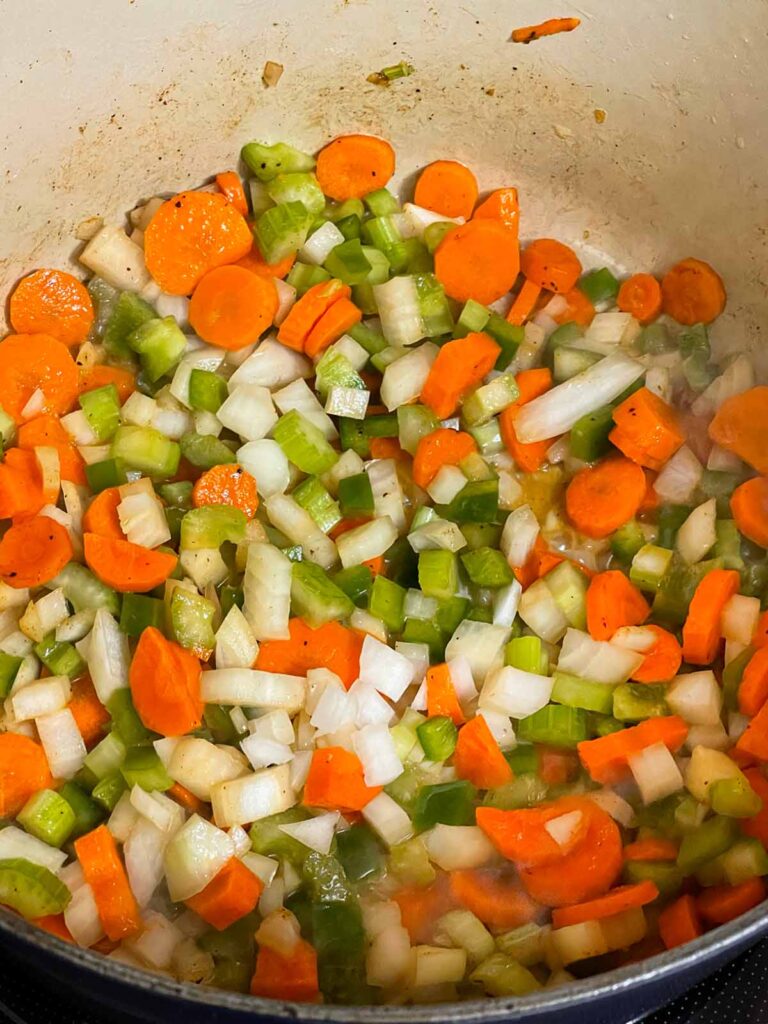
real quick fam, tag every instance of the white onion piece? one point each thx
(679, 478)
(384, 669)
(455, 847)
(515, 693)
(519, 536)
(108, 656)
(366, 542)
(655, 772)
(81, 916)
(272, 365)
(697, 534)
(197, 764)
(236, 646)
(267, 589)
(388, 819)
(248, 412)
(194, 856)
(316, 833)
(696, 697)
(15, 843)
(253, 688)
(62, 742)
(480, 643)
(375, 747)
(252, 797)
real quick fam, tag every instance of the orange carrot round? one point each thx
(353, 165)
(227, 484)
(231, 307)
(701, 629)
(579, 310)
(448, 188)
(101, 515)
(32, 361)
(165, 685)
(613, 602)
(127, 567)
(721, 903)
(693, 292)
(254, 262)
(308, 311)
(91, 716)
(602, 498)
(653, 848)
(522, 836)
(21, 485)
(47, 431)
(231, 187)
(753, 689)
(478, 757)
(749, 504)
(497, 899)
(443, 447)
(23, 771)
(191, 234)
(640, 295)
(740, 426)
(662, 662)
(679, 922)
(625, 897)
(292, 978)
(479, 260)
(550, 264)
(460, 365)
(52, 302)
(334, 322)
(99, 375)
(501, 205)
(585, 873)
(33, 551)
(647, 430)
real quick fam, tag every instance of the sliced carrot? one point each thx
(651, 500)
(497, 899)
(441, 695)
(647, 429)
(227, 484)
(753, 689)
(478, 757)
(679, 922)
(524, 303)
(701, 630)
(478, 260)
(556, 766)
(232, 894)
(625, 897)
(308, 310)
(101, 515)
(256, 263)
(501, 205)
(662, 662)
(550, 264)
(448, 188)
(757, 825)
(640, 295)
(23, 771)
(540, 561)
(613, 602)
(127, 567)
(46, 430)
(21, 485)
(421, 908)
(185, 799)
(760, 637)
(231, 307)
(54, 924)
(603, 497)
(29, 362)
(387, 448)
(740, 426)
(693, 292)
(90, 715)
(293, 978)
(749, 504)
(104, 872)
(231, 187)
(722, 903)
(335, 781)
(443, 447)
(377, 565)
(334, 322)
(551, 27)
(190, 234)
(522, 836)
(585, 873)
(165, 685)
(653, 848)
(606, 758)
(460, 365)
(578, 309)
(530, 384)
(353, 165)
(753, 742)
(100, 374)
(331, 646)
(33, 551)
(52, 302)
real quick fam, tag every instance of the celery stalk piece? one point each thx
(487, 567)
(266, 162)
(127, 314)
(438, 573)
(207, 390)
(568, 587)
(205, 451)
(556, 724)
(160, 345)
(712, 838)
(315, 499)
(297, 187)
(589, 435)
(192, 617)
(304, 444)
(634, 702)
(437, 737)
(30, 889)
(348, 262)
(335, 370)
(574, 692)
(489, 399)
(526, 653)
(387, 602)
(433, 306)
(142, 767)
(649, 565)
(211, 525)
(282, 230)
(734, 798)
(47, 816)
(147, 450)
(315, 597)
(102, 410)
(84, 591)
(473, 317)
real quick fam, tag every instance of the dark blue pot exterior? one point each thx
(622, 995)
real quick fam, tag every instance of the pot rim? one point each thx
(620, 981)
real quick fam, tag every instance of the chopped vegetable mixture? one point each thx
(382, 602)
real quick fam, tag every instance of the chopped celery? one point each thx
(106, 757)
(372, 341)
(481, 535)
(488, 437)
(450, 612)
(526, 944)
(589, 435)
(563, 335)
(348, 262)
(728, 545)
(509, 338)
(567, 362)
(410, 862)
(47, 816)
(527, 654)
(303, 276)
(447, 803)
(649, 566)
(220, 725)
(599, 286)
(266, 162)
(356, 582)
(268, 839)
(205, 451)
(438, 573)
(108, 790)
(633, 702)
(523, 759)
(315, 597)
(139, 612)
(363, 294)
(325, 879)
(526, 790)
(356, 496)
(732, 674)
(606, 725)
(335, 370)
(582, 693)
(381, 202)
(387, 602)
(695, 349)
(126, 723)
(670, 518)
(207, 390)
(101, 407)
(211, 525)
(568, 586)
(31, 889)
(666, 876)
(434, 233)
(382, 233)
(437, 737)
(128, 313)
(381, 425)
(87, 813)
(489, 399)
(104, 298)
(104, 474)
(229, 596)
(746, 859)
(160, 345)
(282, 229)
(555, 724)
(420, 631)
(315, 499)
(501, 975)
(476, 502)
(304, 443)
(297, 187)
(352, 437)
(147, 450)
(481, 613)
(360, 853)
(9, 666)
(654, 340)
(349, 226)
(627, 541)
(486, 567)
(414, 422)
(473, 317)
(60, 658)
(192, 618)
(433, 305)
(734, 798)
(712, 838)
(142, 767)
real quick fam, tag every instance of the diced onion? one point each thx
(285, 513)
(236, 646)
(697, 534)
(267, 590)
(197, 764)
(515, 693)
(738, 620)
(15, 843)
(43, 697)
(248, 412)
(597, 660)
(679, 478)
(403, 380)
(375, 747)
(62, 742)
(696, 697)
(81, 916)
(519, 536)
(316, 833)
(388, 819)
(252, 797)
(655, 772)
(386, 670)
(366, 542)
(108, 656)
(250, 687)
(480, 643)
(455, 847)
(194, 856)
(301, 397)
(272, 365)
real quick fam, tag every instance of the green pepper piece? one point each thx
(387, 602)
(438, 737)
(142, 767)
(449, 803)
(713, 837)
(125, 719)
(268, 840)
(633, 702)
(360, 853)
